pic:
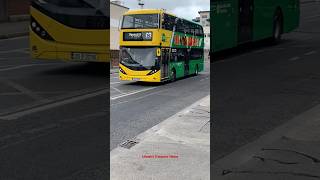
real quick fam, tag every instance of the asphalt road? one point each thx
(136, 107)
(53, 117)
(261, 86)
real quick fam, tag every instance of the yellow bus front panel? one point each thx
(126, 74)
(66, 41)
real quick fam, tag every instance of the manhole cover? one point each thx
(128, 144)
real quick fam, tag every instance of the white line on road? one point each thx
(24, 90)
(260, 51)
(294, 58)
(116, 89)
(141, 97)
(24, 66)
(13, 116)
(311, 17)
(310, 53)
(24, 50)
(6, 66)
(114, 83)
(130, 93)
(15, 38)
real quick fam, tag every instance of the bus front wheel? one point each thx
(277, 27)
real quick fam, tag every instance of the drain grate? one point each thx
(128, 144)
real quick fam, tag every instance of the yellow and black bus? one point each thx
(157, 46)
(70, 30)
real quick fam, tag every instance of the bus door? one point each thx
(245, 21)
(186, 61)
(165, 57)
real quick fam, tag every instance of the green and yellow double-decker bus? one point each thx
(235, 22)
(156, 46)
(70, 30)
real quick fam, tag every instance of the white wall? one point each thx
(116, 13)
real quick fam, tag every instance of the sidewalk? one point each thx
(289, 152)
(14, 29)
(177, 149)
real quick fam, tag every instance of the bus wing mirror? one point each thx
(158, 52)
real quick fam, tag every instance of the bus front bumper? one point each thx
(47, 50)
(150, 78)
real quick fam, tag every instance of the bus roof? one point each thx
(154, 11)
(144, 11)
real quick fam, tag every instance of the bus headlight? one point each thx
(122, 71)
(33, 24)
(152, 72)
(40, 31)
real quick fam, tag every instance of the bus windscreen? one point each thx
(140, 21)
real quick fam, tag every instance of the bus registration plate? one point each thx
(83, 56)
(135, 79)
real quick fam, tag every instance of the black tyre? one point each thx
(277, 28)
(196, 71)
(173, 75)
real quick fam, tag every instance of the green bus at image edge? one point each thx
(235, 22)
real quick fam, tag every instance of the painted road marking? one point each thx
(37, 132)
(130, 93)
(310, 53)
(147, 95)
(24, 90)
(294, 58)
(14, 38)
(39, 108)
(310, 18)
(114, 83)
(24, 50)
(116, 89)
(24, 66)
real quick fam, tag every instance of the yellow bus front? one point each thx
(70, 32)
(140, 42)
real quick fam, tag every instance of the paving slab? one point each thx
(291, 151)
(177, 148)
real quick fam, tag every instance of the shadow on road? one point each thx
(247, 48)
(82, 69)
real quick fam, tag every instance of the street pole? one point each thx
(4, 10)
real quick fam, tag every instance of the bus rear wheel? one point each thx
(196, 72)
(277, 28)
(173, 75)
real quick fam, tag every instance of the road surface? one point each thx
(261, 86)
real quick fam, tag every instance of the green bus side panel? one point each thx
(264, 12)
(179, 67)
(263, 18)
(291, 15)
(224, 24)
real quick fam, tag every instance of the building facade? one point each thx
(204, 20)
(116, 12)
(10, 8)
